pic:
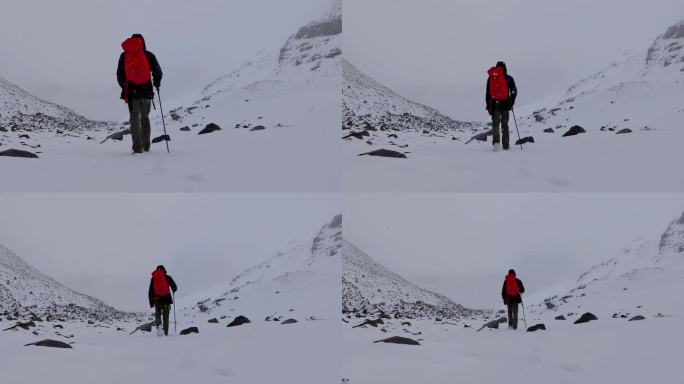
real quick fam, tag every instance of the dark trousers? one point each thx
(500, 118)
(140, 123)
(513, 314)
(162, 311)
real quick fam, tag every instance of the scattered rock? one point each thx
(211, 127)
(258, 128)
(117, 135)
(21, 325)
(372, 323)
(358, 135)
(560, 317)
(190, 330)
(622, 131)
(637, 318)
(574, 130)
(585, 318)
(480, 136)
(24, 136)
(392, 136)
(525, 140)
(185, 129)
(18, 153)
(289, 321)
(406, 323)
(50, 343)
(398, 340)
(494, 324)
(537, 327)
(549, 130)
(385, 153)
(239, 321)
(213, 321)
(147, 327)
(161, 138)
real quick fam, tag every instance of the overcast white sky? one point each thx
(462, 245)
(106, 245)
(66, 51)
(437, 51)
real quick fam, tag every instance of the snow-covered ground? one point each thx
(291, 95)
(640, 92)
(617, 347)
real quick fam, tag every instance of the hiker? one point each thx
(500, 98)
(161, 286)
(512, 288)
(138, 71)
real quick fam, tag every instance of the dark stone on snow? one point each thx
(537, 327)
(637, 318)
(574, 130)
(358, 135)
(372, 323)
(50, 343)
(18, 153)
(525, 140)
(258, 128)
(147, 327)
(406, 324)
(494, 324)
(385, 153)
(392, 136)
(25, 325)
(398, 340)
(624, 130)
(549, 130)
(190, 330)
(560, 317)
(239, 321)
(211, 127)
(585, 318)
(289, 321)
(480, 137)
(185, 129)
(24, 136)
(213, 321)
(161, 138)
(117, 135)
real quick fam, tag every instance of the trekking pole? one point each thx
(523, 306)
(164, 124)
(173, 298)
(514, 121)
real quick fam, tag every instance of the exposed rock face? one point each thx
(329, 27)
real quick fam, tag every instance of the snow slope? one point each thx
(370, 289)
(277, 115)
(301, 282)
(641, 92)
(26, 293)
(641, 281)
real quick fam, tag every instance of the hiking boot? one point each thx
(505, 147)
(160, 331)
(137, 152)
(496, 147)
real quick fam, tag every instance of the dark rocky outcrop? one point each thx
(525, 140)
(258, 128)
(359, 135)
(50, 343)
(537, 327)
(239, 321)
(637, 318)
(494, 324)
(117, 135)
(161, 138)
(372, 323)
(549, 130)
(585, 318)
(18, 153)
(385, 153)
(398, 340)
(211, 127)
(574, 130)
(213, 321)
(21, 325)
(289, 321)
(185, 129)
(190, 330)
(560, 317)
(623, 131)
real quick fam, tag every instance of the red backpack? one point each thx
(136, 66)
(498, 86)
(159, 283)
(512, 288)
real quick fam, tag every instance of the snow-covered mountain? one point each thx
(371, 106)
(22, 113)
(641, 91)
(639, 280)
(26, 293)
(301, 282)
(277, 89)
(368, 288)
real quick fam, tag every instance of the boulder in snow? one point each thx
(213, 321)
(289, 321)
(385, 153)
(161, 138)
(258, 128)
(525, 140)
(211, 127)
(239, 321)
(18, 153)
(50, 343)
(574, 130)
(623, 131)
(637, 318)
(549, 130)
(190, 330)
(560, 317)
(585, 318)
(185, 129)
(398, 340)
(537, 327)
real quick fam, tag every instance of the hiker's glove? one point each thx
(157, 84)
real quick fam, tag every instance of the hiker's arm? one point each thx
(487, 95)
(157, 73)
(521, 286)
(513, 89)
(150, 294)
(503, 291)
(120, 72)
(172, 283)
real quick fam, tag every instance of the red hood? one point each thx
(511, 277)
(495, 71)
(158, 273)
(133, 44)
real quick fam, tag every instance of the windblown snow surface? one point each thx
(643, 280)
(297, 283)
(277, 115)
(641, 92)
